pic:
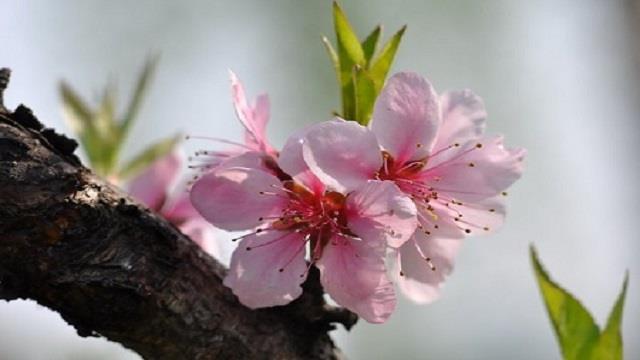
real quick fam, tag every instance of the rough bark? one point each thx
(112, 268)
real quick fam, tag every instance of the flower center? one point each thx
(316, 216)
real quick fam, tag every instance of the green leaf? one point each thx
(370, 44)
(609, 346)
(365, 95)
(152, 153)
(576, 331)
(348, 45)
(107, 126)
(80, 119)
(79, 114)
(575, 328)
(142, 85)
(382, 64)
(349, 54)
(332, 55)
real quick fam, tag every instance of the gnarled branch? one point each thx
(112, 268)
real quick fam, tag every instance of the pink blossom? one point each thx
(254, 118)
(155, 187)
(432, 147)
(290, 210)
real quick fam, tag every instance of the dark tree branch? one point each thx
(4, 82)
(112, 268)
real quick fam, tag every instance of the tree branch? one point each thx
(112, 268)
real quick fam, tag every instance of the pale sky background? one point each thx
(559, 78)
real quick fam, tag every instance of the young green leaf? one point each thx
(350, 54)
(144, 79)
(365, 95)
(382, 64)
(609, 346)
(80, 119)
(107, 126)
(332, 55)
(349, 46)
(79, 114)
(577, 333)
(152, 153)
(370, 44)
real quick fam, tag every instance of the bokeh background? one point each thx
(558, 77)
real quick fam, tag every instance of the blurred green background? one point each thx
(558, 77)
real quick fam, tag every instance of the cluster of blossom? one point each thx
(158, 188)
(369, 206)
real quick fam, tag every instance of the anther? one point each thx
(431, 265)
(504, 193)
(472, 164)
(468, 231)
(479, 145)
(486, 228)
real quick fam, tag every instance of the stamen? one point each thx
(430, 263)
(224, 141)
(453, 159)
(443, 150)
(258, 231)
(272, 241)
(301, 248)
(426, 258)
(399, 263)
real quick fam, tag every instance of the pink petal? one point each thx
(406, 117)
(257, 138)
(353, 273)
(292, 162)
(253, 118)
(250, 160)
(179, 208)
(342, 154)
(203, 234)
(236, 198)
(379, 211)
(419, 281)
(463, 118)
(479, 169)
(255, 274)
(152, 185)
